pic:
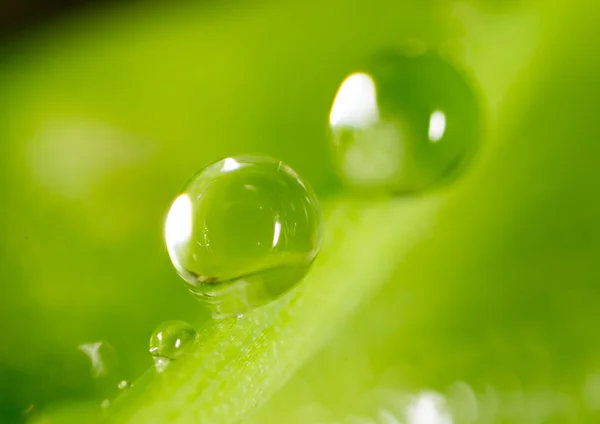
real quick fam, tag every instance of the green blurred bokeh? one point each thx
(104, 116)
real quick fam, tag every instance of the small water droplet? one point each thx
(124, 384)
(102, 356)
(404, 123)
(169, 341)
(244, 231)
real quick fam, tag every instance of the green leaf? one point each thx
(241, 362)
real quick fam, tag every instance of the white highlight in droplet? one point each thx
(276, 233)
(160, 363)
(178, 227)
(230, 164)
(355, 103)
(437, 125)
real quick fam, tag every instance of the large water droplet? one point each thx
(244, 231)
(169, 341)
(404, 123)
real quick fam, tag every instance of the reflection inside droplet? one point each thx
(276, 233)
(437, 125)
(160, 363)
(355, 103)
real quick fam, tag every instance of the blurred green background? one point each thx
(105, 113)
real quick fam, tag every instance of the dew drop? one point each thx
(124, 384)
(244, 231)
(169, 341)
(102, 356)
(404, 123)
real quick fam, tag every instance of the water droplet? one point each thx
(244, 231)
(102, 356)
(404, 123)
(169, 341)
(124, 384)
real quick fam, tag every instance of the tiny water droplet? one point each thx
(169, 341)
(244, 231)
(102, 356)
(124, 384)
(404, 123)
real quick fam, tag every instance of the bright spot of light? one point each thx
(355, 103)
(177, 343)
(276, 233)
(230, 164)
(428, 408)
(178, 227)
(437, 125)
